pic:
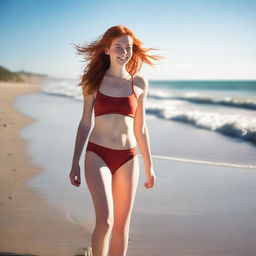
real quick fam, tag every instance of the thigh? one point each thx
(124, 186)
(99, 181)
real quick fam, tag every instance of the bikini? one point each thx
(104, 104)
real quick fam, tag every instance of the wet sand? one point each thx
(28, 224)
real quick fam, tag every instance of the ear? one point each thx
(107, 51)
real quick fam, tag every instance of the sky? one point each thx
(199, 39)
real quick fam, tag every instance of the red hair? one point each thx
(99, 62)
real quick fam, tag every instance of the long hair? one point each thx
(97, 62)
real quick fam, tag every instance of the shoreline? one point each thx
(50, 217)
(29, 224)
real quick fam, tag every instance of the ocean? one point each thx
(226, 107)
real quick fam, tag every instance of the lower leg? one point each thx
(119, 241)
(100, 240)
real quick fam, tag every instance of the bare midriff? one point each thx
(113, 131)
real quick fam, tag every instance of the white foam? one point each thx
(194, 161)
(185, 106)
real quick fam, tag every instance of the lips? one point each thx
(123, 59)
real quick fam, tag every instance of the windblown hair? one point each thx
(97, 62)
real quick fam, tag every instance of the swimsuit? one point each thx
(114, 158)
(104, 104)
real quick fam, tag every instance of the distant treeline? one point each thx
(21, 76)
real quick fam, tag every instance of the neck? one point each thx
(119, 71)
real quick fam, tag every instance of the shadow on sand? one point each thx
(16, 254)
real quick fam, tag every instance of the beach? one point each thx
(193, 69)
(205, 208)
(28, 224)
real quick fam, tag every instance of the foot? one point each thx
(88, 251)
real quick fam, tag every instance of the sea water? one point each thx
(227, 107)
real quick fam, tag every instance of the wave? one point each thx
(168, 105)
(196, 161)
(64, 92)
(232, 125)
(67, 89)
(240, 102)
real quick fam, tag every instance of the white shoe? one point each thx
(88, 251)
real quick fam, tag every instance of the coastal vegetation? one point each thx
(21, 76)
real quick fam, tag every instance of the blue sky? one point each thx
(199, 39)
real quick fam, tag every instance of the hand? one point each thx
(151, 178)
(74, 176)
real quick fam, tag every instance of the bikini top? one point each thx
(105, 104)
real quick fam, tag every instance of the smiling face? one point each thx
(120, 51)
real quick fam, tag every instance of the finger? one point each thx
(74, 182)
(77, 180)
(146, 185)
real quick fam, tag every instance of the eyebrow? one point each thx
(120, 44)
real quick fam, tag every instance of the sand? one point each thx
(28, 224)
(194, 209)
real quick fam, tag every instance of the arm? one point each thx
(81, 136)
(141, 132)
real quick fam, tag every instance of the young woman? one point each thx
(110, 86)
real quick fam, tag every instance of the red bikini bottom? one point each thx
(114, 158)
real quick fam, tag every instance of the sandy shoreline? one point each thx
(28, 224)
(195, 209)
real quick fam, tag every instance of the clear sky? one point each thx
(199, 39)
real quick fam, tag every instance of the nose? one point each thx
(123, 51)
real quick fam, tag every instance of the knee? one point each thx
(105, 223)
(121, 227)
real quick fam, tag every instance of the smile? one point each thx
(123, 59)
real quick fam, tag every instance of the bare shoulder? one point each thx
(88, 100)
(141, 82)
(87, 96)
